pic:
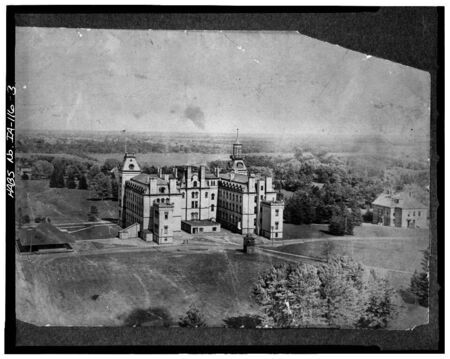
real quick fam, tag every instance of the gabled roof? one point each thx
(44, 233)
(399, 200)
(384, 200)
(408, 202)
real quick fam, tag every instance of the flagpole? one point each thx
(125, 131)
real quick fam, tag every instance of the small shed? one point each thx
(249, 244)
(44, 238)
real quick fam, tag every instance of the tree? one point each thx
(101, 185)
(93, 171)
(333, 294)
(57, 177)
(301, 208)
(193, 319)
(343, 289)
(83, 183)
(381, 307)
(114, 189)
(420, 282)
(342, 222)
(42, 168)
(109, 164)
(368, 216)
(290, 296)
(71, 180)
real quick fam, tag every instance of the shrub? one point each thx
(193, 319)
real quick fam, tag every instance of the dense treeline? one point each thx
(319, 188)
(134, 144)
(64, 172)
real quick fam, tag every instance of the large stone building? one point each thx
(399, 210)
(197, 201)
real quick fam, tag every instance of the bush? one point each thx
(368, 216)
(192, 319)
(337, 225)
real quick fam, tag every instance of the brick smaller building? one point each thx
(399, 210)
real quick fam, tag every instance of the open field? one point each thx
(394, 252)
(366, 230)
(59, 290)
(62, 205)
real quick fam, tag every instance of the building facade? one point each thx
(399, 210)
(198, 201)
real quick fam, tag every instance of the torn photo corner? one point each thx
(218, 179)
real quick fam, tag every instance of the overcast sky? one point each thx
(214, 81)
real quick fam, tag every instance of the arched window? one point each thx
(162, 189)
(195, 184)
(212, 208)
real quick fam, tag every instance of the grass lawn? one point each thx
(392, 256)
(60, 290)
(62, 205)
(366, 230)
(303, 231)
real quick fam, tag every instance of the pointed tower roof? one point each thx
(237, 137)
(130, 163)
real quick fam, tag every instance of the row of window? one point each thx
(230, 206)
(134, 202)
(196, 195)
(162, 200)
(380, 213)
(194, 204)
(225, 216)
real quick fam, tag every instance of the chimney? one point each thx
(153, 185)
(159, 172)
(269, 187)
(251, 183)
(172, 185)
(175, 172)
(217, 171)
(188, 173)
(202, 172)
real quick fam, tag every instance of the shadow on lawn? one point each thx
(408, 297)
(151, 317)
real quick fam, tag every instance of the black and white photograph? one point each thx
(170, 178)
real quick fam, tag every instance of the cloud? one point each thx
(196, 115)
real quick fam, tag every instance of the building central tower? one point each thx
(237, 164)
